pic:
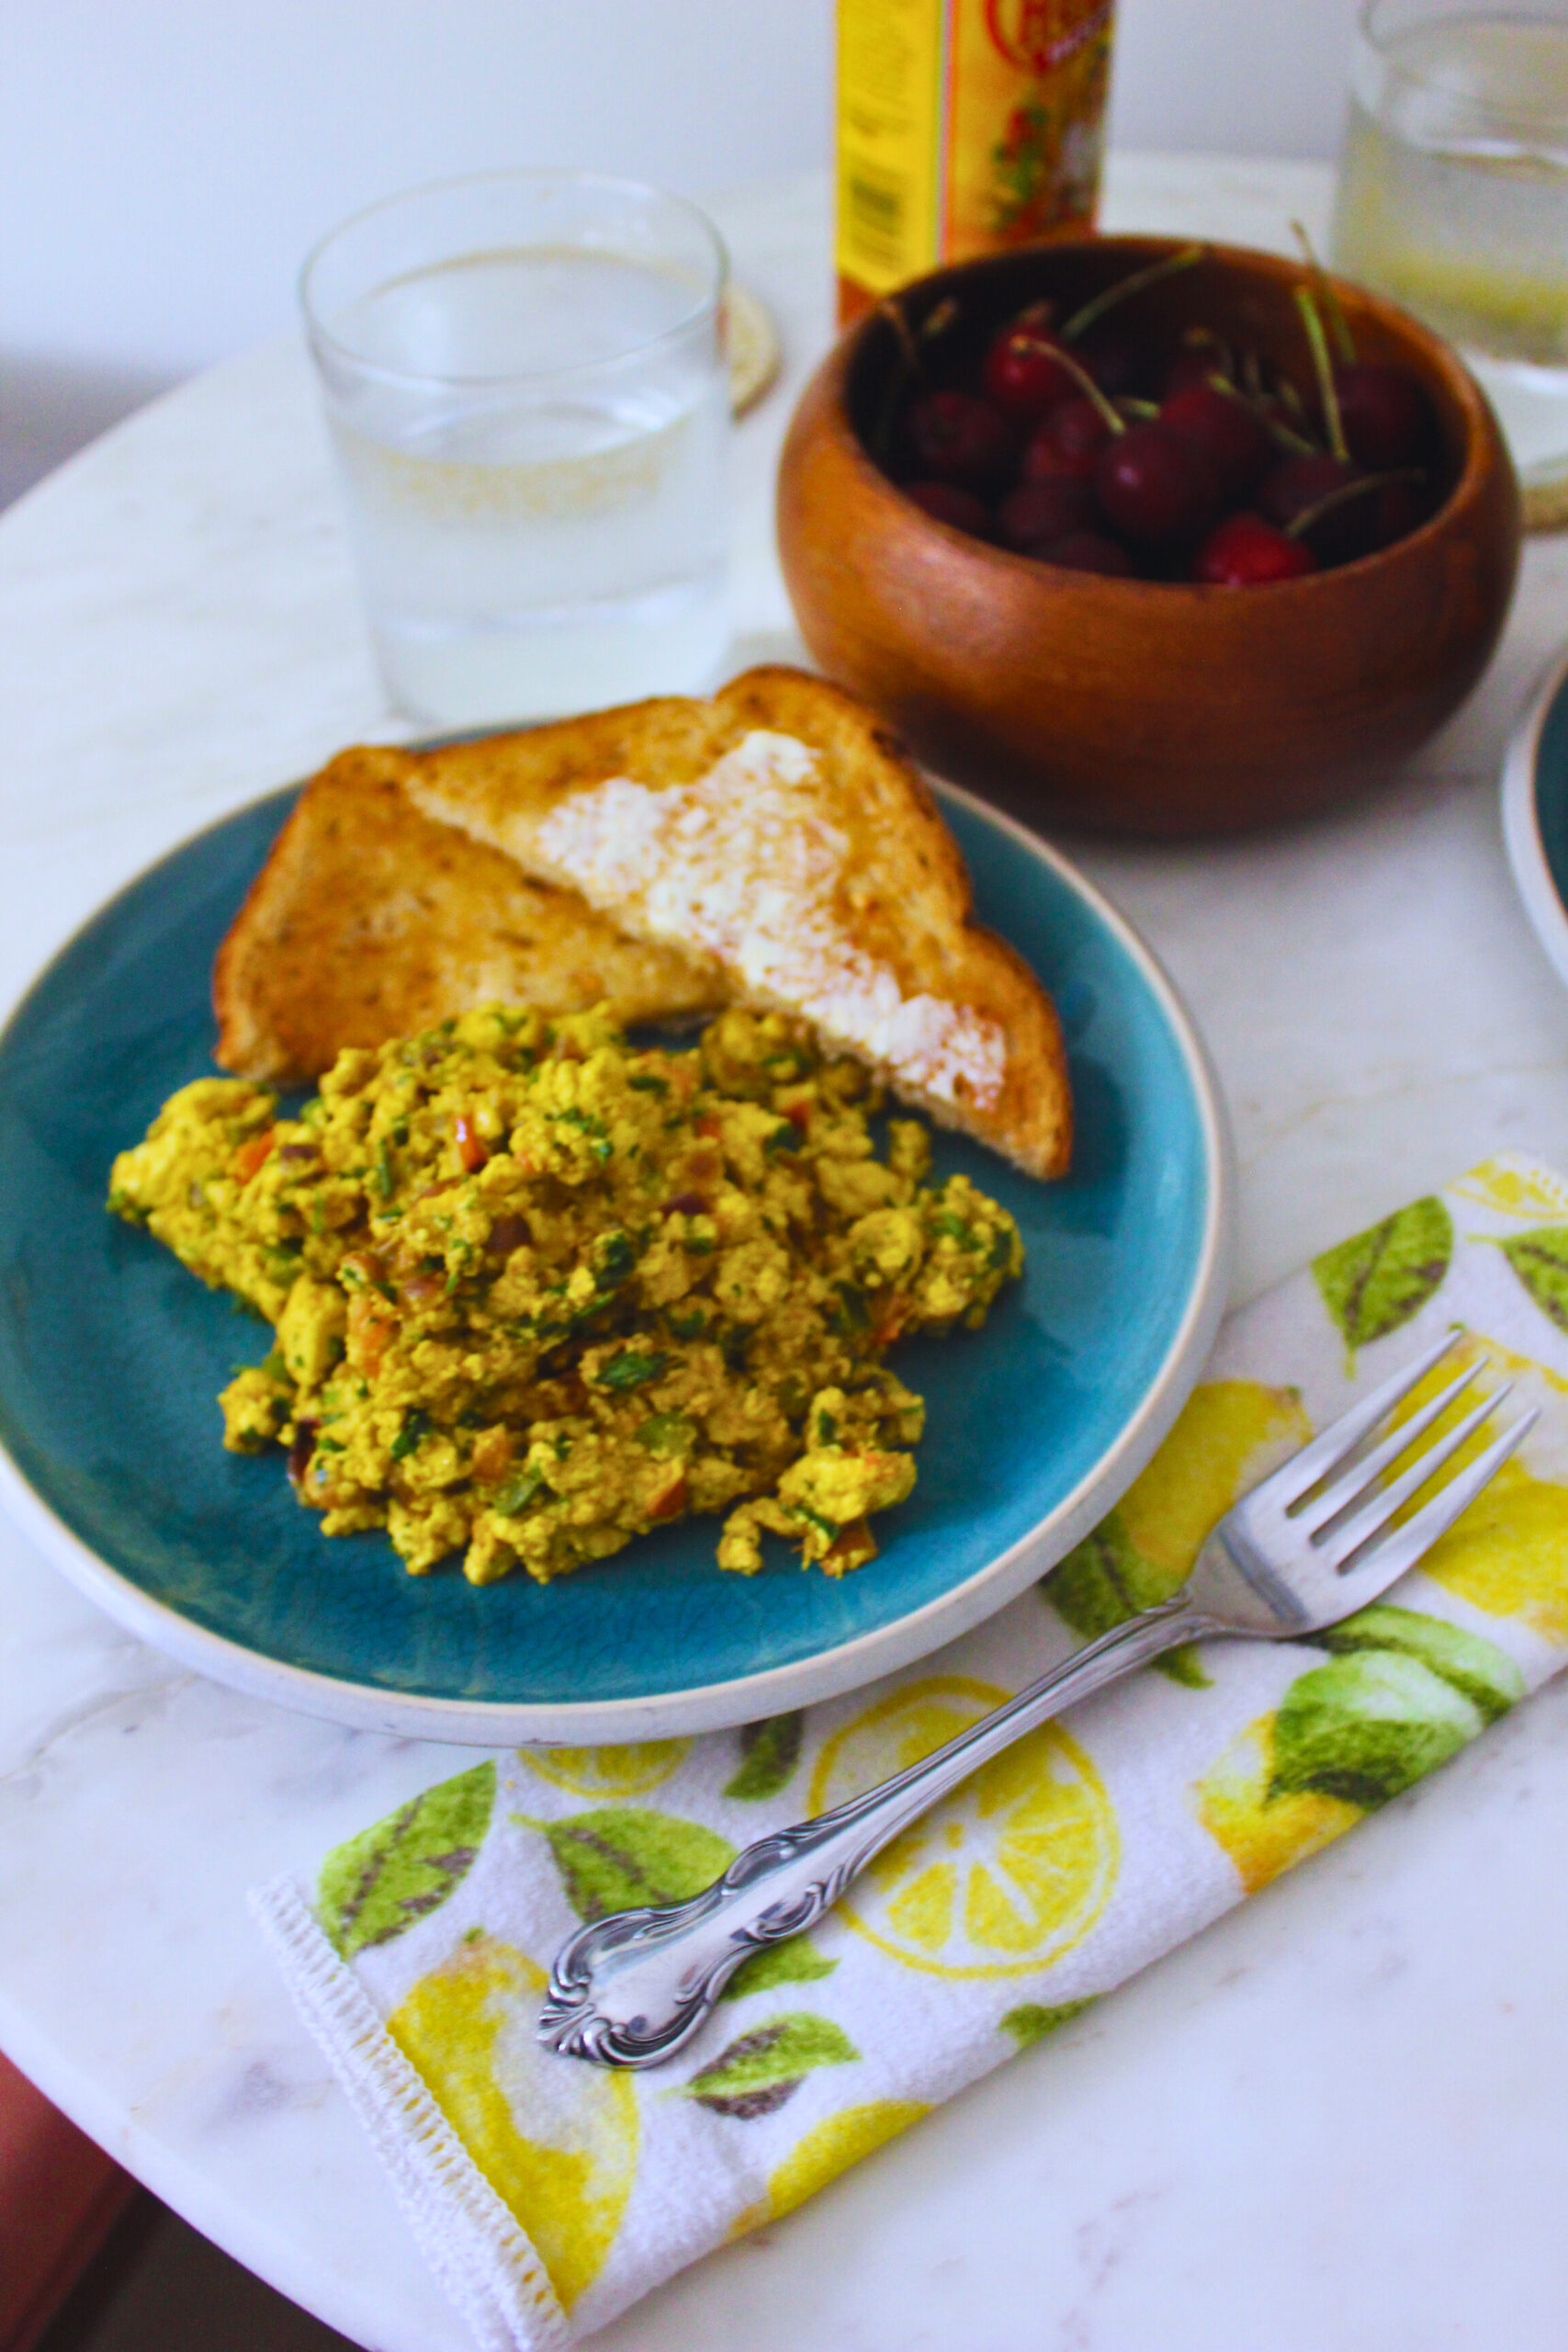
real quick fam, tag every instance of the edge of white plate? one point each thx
(777, 1689)
(1521, 822)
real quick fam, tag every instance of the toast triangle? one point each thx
(371, 920)
(782, 830)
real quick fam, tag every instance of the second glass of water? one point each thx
(1453, 198)
(525, 380)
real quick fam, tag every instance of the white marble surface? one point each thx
(1333, 2120)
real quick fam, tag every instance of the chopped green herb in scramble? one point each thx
(536, 1292)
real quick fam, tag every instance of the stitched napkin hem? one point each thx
(482, 2260)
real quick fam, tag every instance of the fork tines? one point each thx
(1322, 1515)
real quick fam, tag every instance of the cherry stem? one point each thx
(1090, 388)
(894, 315)
(937, 319)
(908, 363)
(1323, 369)
(1197, 338)
(1333, 310)
(1096, 308)
(1296, 442)
(1254, 403)
(1310, 516)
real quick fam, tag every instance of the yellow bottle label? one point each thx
(1028, 86)
(890, 108)
(965, 126)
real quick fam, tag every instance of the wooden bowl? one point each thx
(1143, 706)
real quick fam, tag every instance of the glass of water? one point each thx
(525, 380)
(1453, 200)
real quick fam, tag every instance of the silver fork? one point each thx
(1293, 1555)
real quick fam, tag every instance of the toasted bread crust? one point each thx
(633, 807)
(370, 919)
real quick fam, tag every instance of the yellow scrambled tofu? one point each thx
(537, 1290)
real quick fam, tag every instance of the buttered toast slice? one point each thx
(370, 919)
(781, 829)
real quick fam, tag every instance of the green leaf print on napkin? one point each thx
(1378, 1280)
(1031, 2021)
(1400, 1694)
(1367, 1725)
(619, 1856)
(795, 1962)
(1540, 1261)
(389, 1876)
(1106, 1579)
(758, 2072)
(769, 1754)
(1470, 1664)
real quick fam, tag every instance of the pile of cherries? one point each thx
(1085, 446)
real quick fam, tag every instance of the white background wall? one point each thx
(164, 165)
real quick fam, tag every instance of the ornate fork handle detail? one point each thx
(632, 1989)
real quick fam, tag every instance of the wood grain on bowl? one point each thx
(1129, 705)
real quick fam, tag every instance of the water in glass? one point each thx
(1453, 198)
(545, 530)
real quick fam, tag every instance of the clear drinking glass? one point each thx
(1453, 200)
(525, 380)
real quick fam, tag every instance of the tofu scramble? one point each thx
(537, 1290)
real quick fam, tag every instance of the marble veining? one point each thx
(1333, 2119)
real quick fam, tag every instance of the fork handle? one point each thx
(630, 1990)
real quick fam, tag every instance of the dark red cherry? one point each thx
(1044, 509)
(1299, 484)
(1232, 438)
(1195, 363)
(1247, 552)
(1113, 359)
(1085, 551)
(1397, 510)
(1382, 509)
(952, 437)
(1387, 417)
(1189, 368)
(1023, 372)
(1066, 441)
(950, 504)
(1153, 487)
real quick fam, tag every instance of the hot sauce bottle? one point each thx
(963, 127)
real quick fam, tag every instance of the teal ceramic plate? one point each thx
(1535, 813)
(111, 1357)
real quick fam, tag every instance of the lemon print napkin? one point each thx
(549, 2194)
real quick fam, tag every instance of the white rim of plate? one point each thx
(1521, 822)
(714, 1706)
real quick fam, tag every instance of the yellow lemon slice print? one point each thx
(557, 2142)
(1532, 1194)
(1508, 1553)
(1228, 1435)
(1264, 1836)
(831, 2146)
(608, 1771)
(1008, 1872)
